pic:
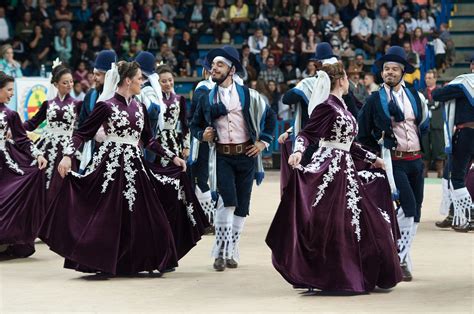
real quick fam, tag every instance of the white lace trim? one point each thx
(11, 163)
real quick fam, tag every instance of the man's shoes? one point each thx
(405, 272)
(446, 223)
(231, 263)
(468, 226)
(219, 264)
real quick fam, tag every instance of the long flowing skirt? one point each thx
(185, 215)
(22, 199)
(328, 234)
(110, 220)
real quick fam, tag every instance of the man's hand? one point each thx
(64, 166)
(42, 162)
(295, 159)
(180, 163)
(282, 138)
(208, 134)
(255, 149)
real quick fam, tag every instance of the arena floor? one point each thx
(443, 277)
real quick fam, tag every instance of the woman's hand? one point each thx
(295, 159)
(379, 163)
(185, 153)
(42, 162)
(64, 166)
(180, 163)
(100, 136)
(282, 138)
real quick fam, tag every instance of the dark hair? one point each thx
(335, 72)
(164, 68)
(127, 70)
(5, 79)
(58, 72)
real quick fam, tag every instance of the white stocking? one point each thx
(462, 202)
(207, 204)
(223, 246)
(406, 231)
(237, 227)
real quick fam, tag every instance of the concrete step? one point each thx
(462, 55)
(463, 40)
(461, 9)
(463, 24)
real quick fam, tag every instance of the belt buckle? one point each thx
(226, 149)
(239, 148)
(398, 154)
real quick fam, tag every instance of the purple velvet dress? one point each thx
(175, 133)
(187, 219)
(22, 199)
(111, 219)
(470, 181)
(61, 117)
(327, 233)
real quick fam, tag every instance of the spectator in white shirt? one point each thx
(362, 30)
(426, 22)
(257, 41)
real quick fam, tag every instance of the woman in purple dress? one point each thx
(110, 219)
(187, 219)
(327, 233)
(61, 114)
(173, 130)
(21, 183)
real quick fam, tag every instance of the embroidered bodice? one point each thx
(10, 121)
(61, 116)
(172, 111)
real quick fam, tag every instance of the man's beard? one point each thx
(99, 88)
(219, 81)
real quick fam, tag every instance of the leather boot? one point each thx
(448, 221)
(439, 164)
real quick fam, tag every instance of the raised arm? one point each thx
(33, 123)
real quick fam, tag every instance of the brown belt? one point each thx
(469, 125)
(233, 149)
(399, 154)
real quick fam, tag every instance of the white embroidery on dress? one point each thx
(130, 173)
(112, 164)
(368, 176)
(329, 176)
(11, 163)
(384, 215)
(299, 145)
(352, 195)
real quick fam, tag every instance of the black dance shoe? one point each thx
(219, 264)
(231, 263)
(446, 223)
(406, 273)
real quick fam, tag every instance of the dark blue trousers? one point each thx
(463, 153)
(200, 168)
(235, 175)
(409, 179)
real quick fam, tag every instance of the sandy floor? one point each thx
(443, 277)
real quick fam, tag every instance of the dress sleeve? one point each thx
(149, 142)
(360, 153)
(20, 137)
(183, 119)
(33, 123)
(88, 129)
(319, 125)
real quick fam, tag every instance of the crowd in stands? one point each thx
(279, 36)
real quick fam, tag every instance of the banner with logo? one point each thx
(30, 93)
